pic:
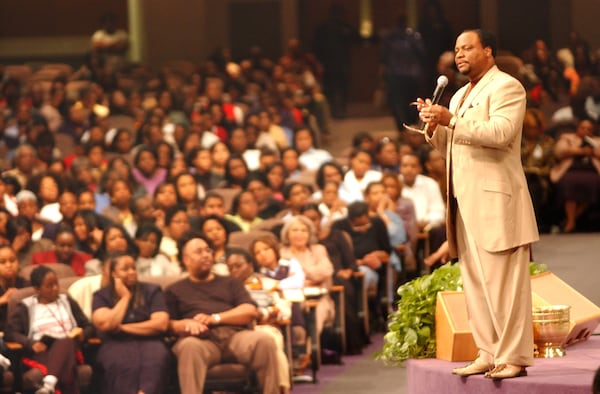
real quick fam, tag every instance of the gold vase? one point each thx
(550, 328)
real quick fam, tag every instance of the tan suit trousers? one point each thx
(253, 348)
(497, 290)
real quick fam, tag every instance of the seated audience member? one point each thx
(47, 188)
(214, 228)
(404, 206)
(244, 211)
(386, 156)
(577, 171)
(360, 174)
(64, 252)
(212, 314)
(299, 241)
(331, 172)
(381, 206)
(131, 317)
(68, 208)
(18, 233)
(265, 250)
(219, 154)
(537, 156)
(177, 224)
(271, 306)
(435, 165)
(268, 206)
(165, 197)
(198, 160)
(146, 171)
(236, 171)
(50, 325)
(114, 240)
(276, 176)
(295, 196)
(88, 227)
(339, 250)
(371, 243)
(214, 204)
(119, 209)
(310, 158)
(189, 193)
(426, 195)
(424, 192)
(291, 163)
(28, 206)
(150, 262)
(332, 207)
(10, 281)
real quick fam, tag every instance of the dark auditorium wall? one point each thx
(32, 18)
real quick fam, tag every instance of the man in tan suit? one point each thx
(491, 222)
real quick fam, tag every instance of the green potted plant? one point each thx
(411, 328)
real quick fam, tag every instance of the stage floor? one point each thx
(571, 374)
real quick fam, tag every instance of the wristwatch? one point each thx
(216, 317)
(452, 122)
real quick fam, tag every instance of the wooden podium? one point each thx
(454, 341)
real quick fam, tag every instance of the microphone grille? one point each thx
(442, 81)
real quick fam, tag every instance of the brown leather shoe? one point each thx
(506, 371)
(475, 368)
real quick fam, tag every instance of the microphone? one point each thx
(442, 82)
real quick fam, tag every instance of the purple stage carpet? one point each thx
(571, 374)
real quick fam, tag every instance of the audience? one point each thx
(258, 125)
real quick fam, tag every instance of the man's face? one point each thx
(198, 258)
(409, 169)
(65, 247)
(470, 56)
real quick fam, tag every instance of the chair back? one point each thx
(242, 240)
(61, 270)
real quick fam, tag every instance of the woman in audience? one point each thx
(146, 170)
(332, 207)
(50, 325)
(132, 318)
(268, 206)
(189, 193)
(300, 242)
(276, 176)
(291, 163)
(236, 171)
(215, 229)
(10, 281)
(339, 250)
(386, 156)
(150, 262)
(88, 228)
(119, 210)
(199, 161)
(360, 174)
(244, 211)
(115, 239)
(47, 188)
(272, 309)
(331, 172)
(289, 272)
(165, 197)
(310, 158)
(537, 158)
(177, 224)
(219, 153)
(577, 172)
(64, 252)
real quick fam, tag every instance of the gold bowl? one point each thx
(551, 326)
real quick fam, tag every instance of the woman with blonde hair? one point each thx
(299, 240)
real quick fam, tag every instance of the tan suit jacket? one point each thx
(483, 159)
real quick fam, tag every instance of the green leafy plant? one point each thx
(411, 328)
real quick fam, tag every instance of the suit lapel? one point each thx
(470, 100)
